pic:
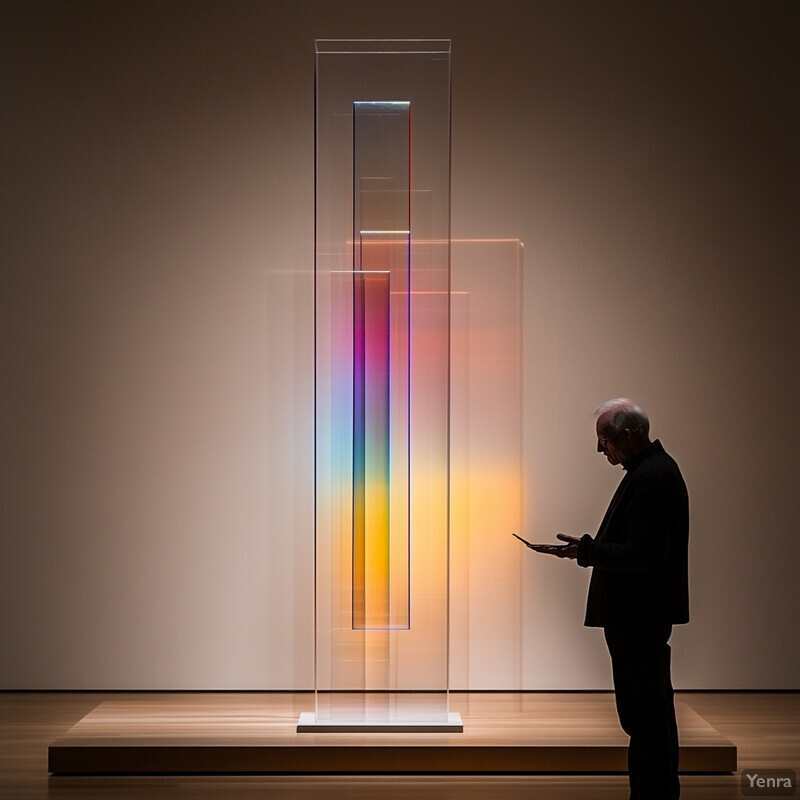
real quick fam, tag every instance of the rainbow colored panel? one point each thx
(371, 474)
(381, 360)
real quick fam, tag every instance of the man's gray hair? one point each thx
(624, 413)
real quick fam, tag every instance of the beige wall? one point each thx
(157, 362)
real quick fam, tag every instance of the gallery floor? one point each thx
(765, 728)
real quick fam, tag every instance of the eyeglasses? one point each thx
(603, 443)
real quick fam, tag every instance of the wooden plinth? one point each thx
(218, 734)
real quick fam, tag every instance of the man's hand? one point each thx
(568, 550)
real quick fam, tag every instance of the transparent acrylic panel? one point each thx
(381, 215)
(486, 463)
(382, 278)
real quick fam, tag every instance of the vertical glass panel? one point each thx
(381, 215)
(382, 277)
(486, 463)
(371, 475)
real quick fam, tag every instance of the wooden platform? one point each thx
(256, 733)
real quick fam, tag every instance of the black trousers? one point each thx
(640, 660)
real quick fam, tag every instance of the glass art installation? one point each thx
(382, 348)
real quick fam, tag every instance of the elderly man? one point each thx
(639, 589)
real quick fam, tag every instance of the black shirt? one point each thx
(640, 552)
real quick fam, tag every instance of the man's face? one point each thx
(610, 442)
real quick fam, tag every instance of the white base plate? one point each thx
(308, 723)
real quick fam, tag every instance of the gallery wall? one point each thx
(157, 315)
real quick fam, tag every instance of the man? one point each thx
(639, 589)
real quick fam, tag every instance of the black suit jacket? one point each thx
(639, 556)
